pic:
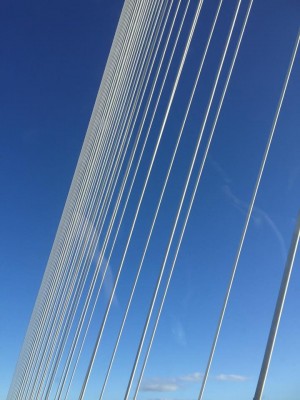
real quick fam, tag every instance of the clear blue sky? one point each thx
(52, 55)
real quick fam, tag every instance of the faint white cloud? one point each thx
(98, 258)
(107, 278)
(231, 378)
(194, 377)
(275, 230)
(108, 282)
(293, 178)
(170, 384)
(220, 170)
(160, 385)
(259, 217)
(238, 203)
(173, 398)
(178, 333)
(164, 398)
(164, 385)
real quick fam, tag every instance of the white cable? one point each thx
(187, 216)
(141, 343)
(72, 289)
(249, 213)
(132, 112)
(134, 221)
(160, 199)
(102, 252)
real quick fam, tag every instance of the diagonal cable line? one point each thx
(160, 199)
(141, 343)
(123, 157)
(192, 199)
(124, 208)
(140, 201)
(249, 213)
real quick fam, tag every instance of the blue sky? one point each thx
(52, 58)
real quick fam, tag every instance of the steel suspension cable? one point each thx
(139, 204)
(123, 158)
(141, 343)
(71, 289)
(192, 201)
(103, 251)
(160, 199)
(249, 213)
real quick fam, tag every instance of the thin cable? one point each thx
(179, 209)
(57, 237)
(119, 155)
(102, 251)
(189, 209)
(278, 312)
(137, 210)
(249, 213)
(132, 112)
(160, 199)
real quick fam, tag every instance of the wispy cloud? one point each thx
(236, 201)
(173, 398)
(275, 231)
(259, 217)
(178, 333)
(98, 258)
(293, 178)
(194, 377)
(220, 170)
(170, 384)
(165, 398)
(174, 384)
(231, 378)
(108, 279)
(160, 385)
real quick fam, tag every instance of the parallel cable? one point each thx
(160, 199)
(191, 203)
(174, 226)
(101, 257)
(141, 343)
(107, 191)
(249, 213)
(123, 155)
(139, 204)
(278, 311)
